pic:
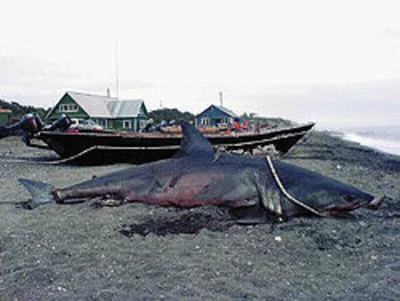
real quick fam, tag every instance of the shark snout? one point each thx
(350, 201)
(358, 197)
(376, 202)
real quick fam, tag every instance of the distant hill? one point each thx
(171, 114)
(19, 110)
(272, 122)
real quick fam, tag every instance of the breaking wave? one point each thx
(381, 144)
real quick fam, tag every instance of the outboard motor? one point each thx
(148, 127)
(60, 125)
(30, 124)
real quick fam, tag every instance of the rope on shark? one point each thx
(286, 194)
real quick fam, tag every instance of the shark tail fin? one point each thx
(41, 193)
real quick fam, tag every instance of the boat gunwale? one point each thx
(157, 135)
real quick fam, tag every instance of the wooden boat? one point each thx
(111, 147)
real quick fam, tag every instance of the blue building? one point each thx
(216, 116)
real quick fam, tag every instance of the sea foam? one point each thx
(379, 139)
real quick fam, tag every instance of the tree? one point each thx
(19, 110)
(273, 122)
(171, 114)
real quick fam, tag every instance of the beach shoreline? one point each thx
(80, 252)
(383, 139)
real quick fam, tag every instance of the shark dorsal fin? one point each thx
(193, 142)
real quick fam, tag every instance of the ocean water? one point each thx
(383, 138)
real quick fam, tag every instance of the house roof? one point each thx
(125, 108)
(93, 105)
(105, 107)
(222, 109)
(227, 111)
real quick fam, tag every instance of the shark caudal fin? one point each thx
(41, 193)
(193, 142)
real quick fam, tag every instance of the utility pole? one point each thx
(116, 70)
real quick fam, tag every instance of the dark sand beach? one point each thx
(141, 252)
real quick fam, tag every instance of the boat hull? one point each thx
(101, 148)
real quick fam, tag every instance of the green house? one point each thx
(110, 113)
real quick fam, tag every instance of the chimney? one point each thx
(221, 99)
(108, 93)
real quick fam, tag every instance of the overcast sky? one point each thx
(333, 62)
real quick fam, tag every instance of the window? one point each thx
(126, 124)
(205, 121)
(68, 107)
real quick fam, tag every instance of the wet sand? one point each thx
(141, 252)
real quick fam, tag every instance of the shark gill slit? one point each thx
(286, 193)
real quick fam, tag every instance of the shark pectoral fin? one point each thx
(41, 193)
(269, 197)
(272, 204)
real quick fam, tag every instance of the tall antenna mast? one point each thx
(116, 69)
